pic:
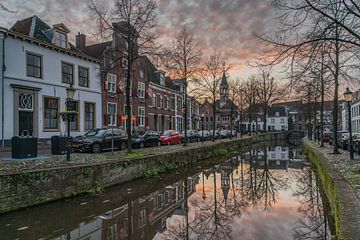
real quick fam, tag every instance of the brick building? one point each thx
(225, 109)
(114, 69)
(163, 99)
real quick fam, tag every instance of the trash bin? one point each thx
(58, 145)
(23, 147)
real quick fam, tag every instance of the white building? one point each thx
(39, 64)
(277, 119)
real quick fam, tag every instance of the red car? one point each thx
(326, 137)
(170, 137)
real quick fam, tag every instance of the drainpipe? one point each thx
(3, 68)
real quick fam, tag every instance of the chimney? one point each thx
(80, 40)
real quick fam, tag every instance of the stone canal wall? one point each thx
(343, 202)
(25, 188)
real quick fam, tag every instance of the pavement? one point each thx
(44, 150)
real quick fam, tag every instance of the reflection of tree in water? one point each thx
(262, 183)
(214, 213)
(313, 220)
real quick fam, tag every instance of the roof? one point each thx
(34, 29)
(96, 50)
(227, 105)
(151, 72)
(224, 79)
(281, 110)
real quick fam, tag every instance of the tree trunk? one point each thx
(185, 112)
(322, 103)
(336, 89)
(128, 104)
(214, 120)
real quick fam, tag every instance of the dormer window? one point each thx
(60, 35)
(162, 79)
(60, 39)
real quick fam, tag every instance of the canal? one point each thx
(264, 192)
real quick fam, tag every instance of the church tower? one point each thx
(224, 89)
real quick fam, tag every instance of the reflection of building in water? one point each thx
(138, 219)
(225, 169)
(276, 158)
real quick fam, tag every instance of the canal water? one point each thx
(266, 192)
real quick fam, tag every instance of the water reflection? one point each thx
(265, 193)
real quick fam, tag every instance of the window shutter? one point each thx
(106, 85)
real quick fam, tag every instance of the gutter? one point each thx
(3, 68)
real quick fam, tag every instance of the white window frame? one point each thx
(60, 39)
(114, 122)
(111, 83)
(141, 116)
(141, 90)
(142, 218)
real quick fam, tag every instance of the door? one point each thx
(26, 123)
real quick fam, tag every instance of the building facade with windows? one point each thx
(39, 64)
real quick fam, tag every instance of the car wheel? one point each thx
(123, 146)
(96, 148)
(141, 145)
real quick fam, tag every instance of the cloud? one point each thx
(225, 25)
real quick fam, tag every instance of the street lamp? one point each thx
(348, 98)
(70, 92)
(202, 127)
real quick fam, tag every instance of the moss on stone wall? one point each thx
(329, 187)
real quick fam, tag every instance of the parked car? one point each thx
(224, 134)
(192, 136)
(344, 141)
(146, 139)
(339, 134)
(205, 135)
(98, 140)
(170, 137)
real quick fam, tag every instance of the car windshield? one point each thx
(95, 133)
(167, 133)
(138, 134)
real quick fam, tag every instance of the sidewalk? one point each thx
(349, 169)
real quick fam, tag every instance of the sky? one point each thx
(226, 25)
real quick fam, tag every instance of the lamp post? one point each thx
(202, 127)
(70, 92)
(348, 98)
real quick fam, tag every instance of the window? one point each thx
(153, 100)
(112, 111)
(141, 90)
(141, 113)
(74, 125)
(51, 113)
(283, 155)
(158, 100)
(60, 39)
(83, 77)
(142, 218)
(162, 79)
(89, 116)
(126, 226)
(272, 121)
(141, 72)
(282, 120)
(165, 104)
(67, 73)
(111, 83)
(33, 65)
(172, 103)
(111, 232)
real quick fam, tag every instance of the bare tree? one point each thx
(250, 98)
(208, 81)
(235, 97)
(134, 21)
(182, 60)
(268, 91)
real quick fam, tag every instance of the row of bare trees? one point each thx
(318, 41)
